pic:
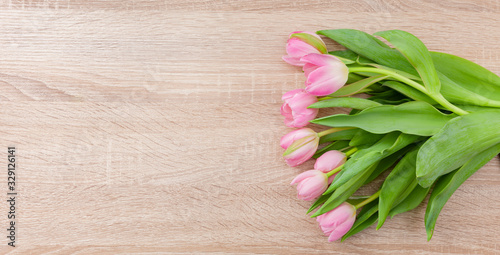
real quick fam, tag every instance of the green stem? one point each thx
(351, 151)
(324, 98)
(332, 130)
(368, 200)
(442, 101)
(334, 171)
(347, 154)
(394, 75)
(437, 97)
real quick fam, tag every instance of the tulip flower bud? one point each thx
(324, 73)
(311, 184)
(329, 161)
(301, 43)
(338, 221)
(300, 146)
(295, 135)
(295, 108)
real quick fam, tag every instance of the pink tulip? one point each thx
(329, 161)
(325, 74)
(311, 184)
(303, 146)
(291, 137)
(301, 43)
(337, 222)
(295, 108)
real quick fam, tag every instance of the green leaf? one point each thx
(409, 92)
(340, 135)
(370, 47)
(318, 202)
(353, 77)
(364, 158)
(448, 184)
(347, 102)
(337, 145)
(387, 162)
(418, 118)
(417, 54)
(401, 178)
(345, 191)
(415, 198)
(356, 87)
(460, 95)
(375, 88)
(365, 212)
(363, 137)
(468, 75)
(362, 226)
(349, 55)
(393, 102)
(458, 141)
(353, 200)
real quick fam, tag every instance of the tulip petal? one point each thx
(301, 101)
(301, 155)
(289, 138)
(326, 80)
(341, 230)
(337, 216)
(308, 68)
(329, 161)
(290, 94)
(302, 119)
(303, 176)
(298, 48)
(320, 59)
(294, 61)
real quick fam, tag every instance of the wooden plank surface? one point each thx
(151, 127)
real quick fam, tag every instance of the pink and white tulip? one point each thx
(295, 110)
(300, 146)
(324, 73)
(301, 43)
(311, 184)
(291, 137)
(337, 222)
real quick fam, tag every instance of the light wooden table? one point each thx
(151, 127)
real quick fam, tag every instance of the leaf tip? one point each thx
(424, 181)
(430, 232)
(317, 213)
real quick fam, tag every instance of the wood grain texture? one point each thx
(152, 127)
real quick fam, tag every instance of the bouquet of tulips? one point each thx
(428, 118)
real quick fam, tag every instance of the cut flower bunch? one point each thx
(428, 118)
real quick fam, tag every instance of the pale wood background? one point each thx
(151, 127)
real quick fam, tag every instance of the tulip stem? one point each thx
(394, 75)
(332, 130)
(351, 151)
(437, 97)
(368, 200)
(324, 98)
(334, 171)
